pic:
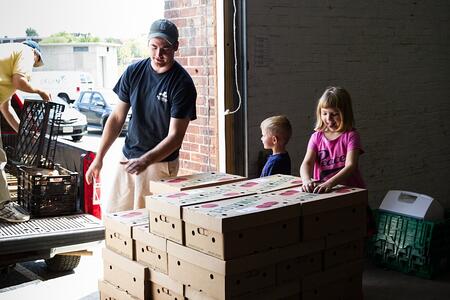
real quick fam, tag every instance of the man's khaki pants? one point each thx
(125, 191)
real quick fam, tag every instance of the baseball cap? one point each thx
(165, 29)
(36, 49)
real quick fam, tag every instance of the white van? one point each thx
(64, 84)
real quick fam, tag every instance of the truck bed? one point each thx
(47, 233)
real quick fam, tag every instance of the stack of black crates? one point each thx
(44, 188)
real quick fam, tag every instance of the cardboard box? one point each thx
(333, 240)
(165, 288)
(287, 291)
(326, 223)
(224, 279)
(298, 267)
(236, 227)
(151, 250)
(119, 230)
(194, 181)
(328, 276)
(126, 274)
(110, 292)
(322, 214)
(343, 253)
(165, 209)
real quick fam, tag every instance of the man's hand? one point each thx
(135, 165)
(93, 171)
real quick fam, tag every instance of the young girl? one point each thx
(334, 148)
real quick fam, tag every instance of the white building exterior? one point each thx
(99, 59)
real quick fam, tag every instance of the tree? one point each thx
(31, 32)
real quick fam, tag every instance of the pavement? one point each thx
(31, 280)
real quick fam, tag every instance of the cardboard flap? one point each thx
(141, 233)
(125, 264)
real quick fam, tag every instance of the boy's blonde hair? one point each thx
(338, 98)
(278, 126)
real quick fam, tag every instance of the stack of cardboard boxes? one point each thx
(249, 239)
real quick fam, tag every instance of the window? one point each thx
(86, 98)
(80, 49)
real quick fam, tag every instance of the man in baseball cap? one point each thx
(16, 65)
(161, 95)
(37, 50)
(165, 29)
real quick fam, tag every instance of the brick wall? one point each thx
(392, 56)
(196, 24)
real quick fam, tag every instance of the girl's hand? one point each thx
(323, 188)
(308, 186)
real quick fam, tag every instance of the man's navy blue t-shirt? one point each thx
(154, 99)
(277, 164)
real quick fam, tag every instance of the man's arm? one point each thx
(10, 115)
(21, 83)
(172, 142)
(112, 129)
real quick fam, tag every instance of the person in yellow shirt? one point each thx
(16, 64)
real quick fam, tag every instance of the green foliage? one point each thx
(132, 49)
(31, 32)
(65, 37)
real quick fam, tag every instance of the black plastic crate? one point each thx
(38, 133)
(43, 192)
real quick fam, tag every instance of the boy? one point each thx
(276, 132)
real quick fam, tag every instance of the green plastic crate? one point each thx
(410, 245)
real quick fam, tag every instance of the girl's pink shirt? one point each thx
(331, 156)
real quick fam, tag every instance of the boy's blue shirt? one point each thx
(277, 164)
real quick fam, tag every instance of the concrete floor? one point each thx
(30, 281)
(383, 284)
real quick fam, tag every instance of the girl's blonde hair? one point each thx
(278, 126)
(337, 98)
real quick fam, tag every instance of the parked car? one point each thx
(97, 106)
(73, 123)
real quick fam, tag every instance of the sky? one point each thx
(102, 18)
